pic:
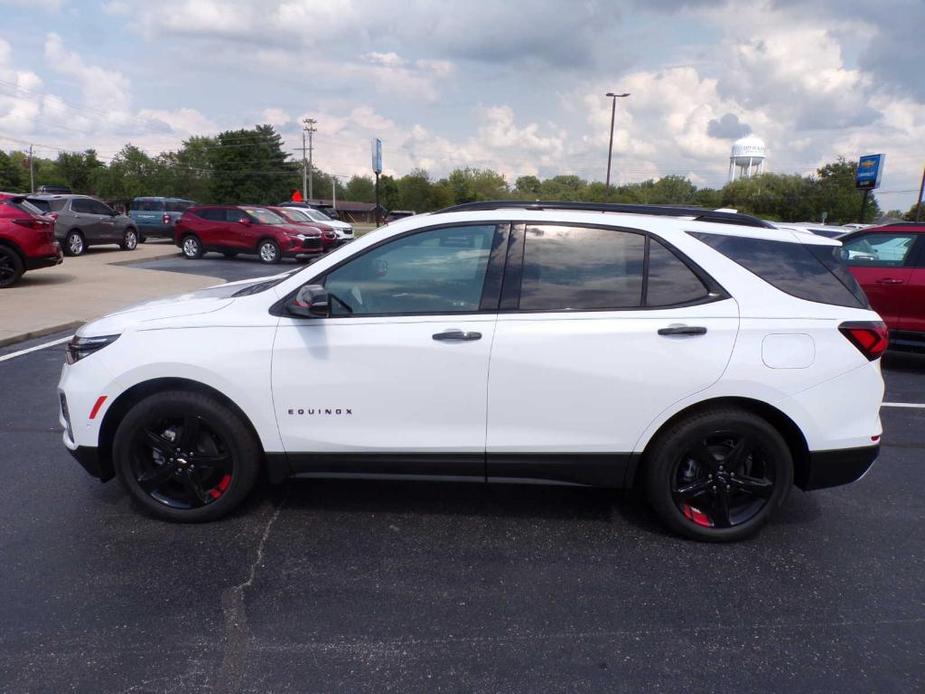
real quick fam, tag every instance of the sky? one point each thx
(515, 86)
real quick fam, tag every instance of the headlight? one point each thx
(80, 347)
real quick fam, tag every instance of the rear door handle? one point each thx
(890, 280)
(457, 335)
(683, 330)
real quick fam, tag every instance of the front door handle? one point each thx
(683, 330)
(890, 280)
(457, 335)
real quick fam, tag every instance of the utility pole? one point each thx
(918, 203)
(333, 191)
(613, 115)
(308, 126)
(304, 170)
(32, 173)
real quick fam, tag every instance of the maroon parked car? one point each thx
(889, 263)
(294, 215)
(27, 239)
(233, 229)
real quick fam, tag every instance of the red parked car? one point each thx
(889, 263)
(295, 215)
(27, 239)
(233, 229)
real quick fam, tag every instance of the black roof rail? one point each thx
(700, 214)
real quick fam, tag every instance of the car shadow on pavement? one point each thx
(904, 361)
(31, 280)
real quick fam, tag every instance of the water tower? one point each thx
(747, 159)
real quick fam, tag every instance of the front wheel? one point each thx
(718, 475)
(192, 247)
(269, 252)
(185, 456)
(129, 240)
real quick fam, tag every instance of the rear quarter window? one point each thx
(810, 272)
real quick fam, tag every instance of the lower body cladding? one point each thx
(820, 470)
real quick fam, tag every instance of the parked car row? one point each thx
(27, 239)
(270, 232)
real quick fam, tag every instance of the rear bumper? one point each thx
(833, 468)
(34, 263)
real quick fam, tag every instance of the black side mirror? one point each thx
(311, 301)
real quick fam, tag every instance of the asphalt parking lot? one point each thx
(372, 586)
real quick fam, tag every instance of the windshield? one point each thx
(264, 216)
(317, 216)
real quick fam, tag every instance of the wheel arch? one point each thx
(786, 427)
(7, 243)
(132, 396)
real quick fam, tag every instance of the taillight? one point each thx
(166, 219)
(53, 216)
(32, 223)
(870, 337)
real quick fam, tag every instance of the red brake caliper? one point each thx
(221, 487)
(699, 517)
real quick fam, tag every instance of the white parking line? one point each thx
(21, 352)
(915, 405)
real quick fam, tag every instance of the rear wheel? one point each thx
(74, 243)
(269, 252)
(192, 247)
(185, 456)
(129, 240)
(11, 267)
(718, 475)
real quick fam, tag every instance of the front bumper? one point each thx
(91, 461)
(833, 468)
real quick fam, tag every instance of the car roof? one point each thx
(896, 226)
(59, 196)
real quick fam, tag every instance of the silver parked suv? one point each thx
(82, 221)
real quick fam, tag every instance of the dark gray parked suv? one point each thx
(82, 221)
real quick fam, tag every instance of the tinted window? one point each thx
(178, 205)
(213, 214)
(98, 207)
(794, 268)
(575, 268)
(43, 205)
(670, 280)
(81, 205)
(434, 271)
(878, 250)
(264, 216)
(148, 205)
(233, 214)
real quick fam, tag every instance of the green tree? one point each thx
(564, 187)
(415, 192)
(838, 197)
(470, 185)
(11, 178)
(131, 173)
(388, 192)
(527, 187)
(251, 166)
(80, 170)
(360, 189)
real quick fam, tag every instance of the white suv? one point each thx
(703, 355)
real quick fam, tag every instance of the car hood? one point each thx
(195, 303)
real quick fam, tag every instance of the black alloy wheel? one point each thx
(719, 475)
(185, 456)
(11, 267)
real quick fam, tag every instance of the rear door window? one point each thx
(81, 205)
(879, 250)
(806, 271)
(213, 214)
(581, 268)
(669, 281)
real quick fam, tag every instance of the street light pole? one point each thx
(613, 115)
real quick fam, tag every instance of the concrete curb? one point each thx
(50, 330)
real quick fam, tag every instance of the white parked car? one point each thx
(343, 230)
(706, 357)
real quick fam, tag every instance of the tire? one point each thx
(718, 475)
(129, 240)
(151, 455)
(268, 252)
(11, 267)
(192, 247)
(230, 254)
(74, 243)
(142, 238)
